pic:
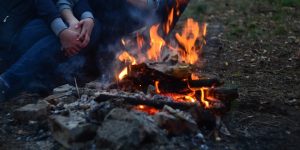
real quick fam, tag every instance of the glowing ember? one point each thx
(190, 99)
(156, 44)
(147, 109)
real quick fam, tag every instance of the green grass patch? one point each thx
(286, 3)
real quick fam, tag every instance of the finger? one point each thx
(77, 48)
(82, 33)
(85, 41)
(80, 24)
(73, 52)
(68, 51)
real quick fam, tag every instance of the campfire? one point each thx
(170, 68)
(159, 91)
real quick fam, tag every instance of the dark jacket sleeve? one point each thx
(47, 10)
(81, 7)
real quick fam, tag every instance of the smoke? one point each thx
(120, 19)
(117, 22)
(72, 68)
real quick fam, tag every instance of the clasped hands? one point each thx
(77, 36)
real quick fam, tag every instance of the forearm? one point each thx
(69, 17)
(80, 8)
(48, 11)
(83, 10)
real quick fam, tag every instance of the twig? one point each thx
(76, 85)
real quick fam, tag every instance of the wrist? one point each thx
(62, 33)
(72, 22)
(57, 25)
(90, 19)
(87, 14)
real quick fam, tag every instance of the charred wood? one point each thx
(205, 83)
(137, 100)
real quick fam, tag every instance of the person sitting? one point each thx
(42, 54)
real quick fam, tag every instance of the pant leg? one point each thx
(31, 33)
(39, 60)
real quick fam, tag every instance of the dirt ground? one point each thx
(256, 46)
(253, 44)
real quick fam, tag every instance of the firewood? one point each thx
(170, 78)
(139, 100)
(224, 93)
(205, 83)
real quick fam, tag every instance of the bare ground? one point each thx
(255, 45)
(252, 44)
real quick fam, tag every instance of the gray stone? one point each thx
(145, 121)
(123, 129)
(72, 132)
(32, 112)
(176, 122)
(115, 134)
(63, 89)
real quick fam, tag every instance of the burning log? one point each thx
(158, 103)
(170, 78)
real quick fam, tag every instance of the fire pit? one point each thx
(171, 70)
(159, 98)
(159, 93)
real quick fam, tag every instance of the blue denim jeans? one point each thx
(42, 61)
(20, 43)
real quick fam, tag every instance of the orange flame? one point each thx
(204, 28)
(140, 41)
(203, 100)
(194, 77)
(190, 99)
(188, 39)
(127, 58)
(156, 87)
(156, 44)
(191, 40)
(169, 23)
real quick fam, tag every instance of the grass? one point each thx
(286, 3)
(273, 18)
(250, 19)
